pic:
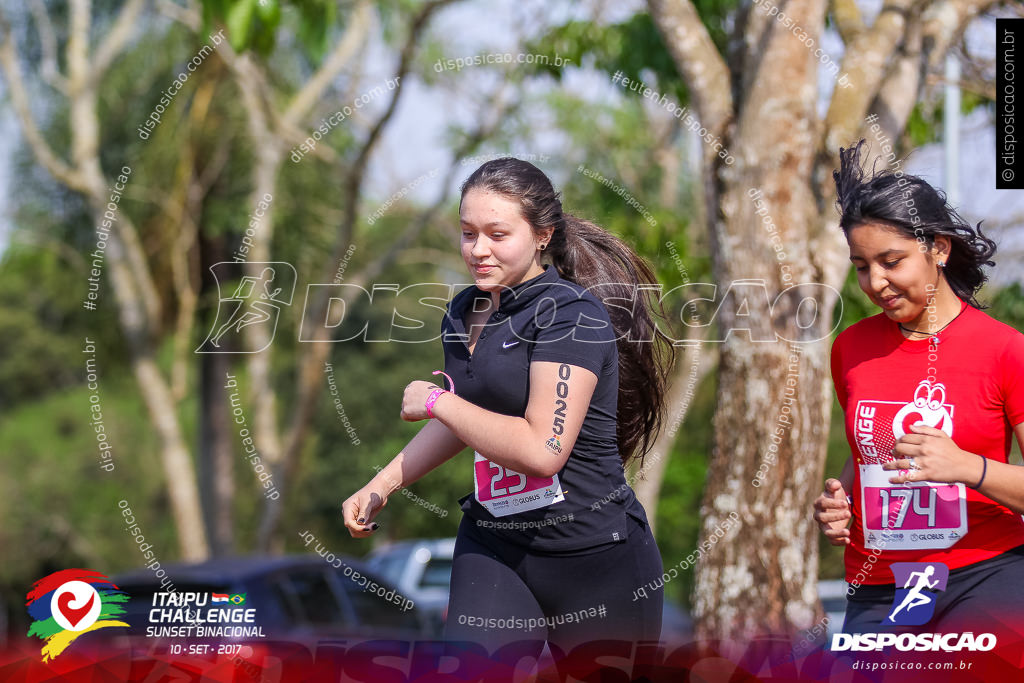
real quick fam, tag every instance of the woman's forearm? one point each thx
(846, 476)
(506, 440)
(432, 446)
(1004, 483)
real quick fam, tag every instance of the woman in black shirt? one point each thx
(555, 391)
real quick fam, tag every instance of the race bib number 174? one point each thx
(919, 515)
(912, 516)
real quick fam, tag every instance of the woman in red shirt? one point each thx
(932, 389)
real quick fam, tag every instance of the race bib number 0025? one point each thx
(504, 492)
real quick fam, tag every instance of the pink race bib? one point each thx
(912, 516)
(505, 492)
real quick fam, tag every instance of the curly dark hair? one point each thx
(593, 258)
(919, 211)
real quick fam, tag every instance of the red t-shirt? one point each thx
(972, 387)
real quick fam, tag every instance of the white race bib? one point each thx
(919, 515)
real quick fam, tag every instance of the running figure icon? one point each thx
(916, 597)
(258, 292)
(250, 312)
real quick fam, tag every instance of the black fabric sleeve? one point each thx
(577, 331)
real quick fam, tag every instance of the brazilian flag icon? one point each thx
(238, 599)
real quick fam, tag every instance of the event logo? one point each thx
(914, 604)
(254, 300)
(928, 407)
(68, 603)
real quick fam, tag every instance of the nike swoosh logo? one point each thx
(509, 344)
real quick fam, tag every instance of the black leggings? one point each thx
(503, 593)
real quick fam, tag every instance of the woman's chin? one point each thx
(901, 314)
(486, 283)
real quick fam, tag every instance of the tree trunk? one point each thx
(216, 452)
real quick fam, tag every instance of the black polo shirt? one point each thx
(547, 318)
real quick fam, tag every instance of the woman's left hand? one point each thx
(415, 399)
(928, 454)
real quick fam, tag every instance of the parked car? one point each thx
(298, 598)
(422, 570)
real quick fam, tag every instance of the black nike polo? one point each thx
(545, 318)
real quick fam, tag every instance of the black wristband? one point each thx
(984, 471)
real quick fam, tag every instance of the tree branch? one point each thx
(849, 22)
(56, 166)
(187, 16)
(864, 62)
(49, 67)
(116, 39)
(336, 61)
(697, 60)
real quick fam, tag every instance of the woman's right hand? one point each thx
(832, 513)
(360, 509)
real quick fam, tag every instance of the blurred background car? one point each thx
(421, 570)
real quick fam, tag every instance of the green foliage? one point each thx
(43, 324)
(56, 502)
(254, 24)
(633, 47)
(1008, 306)
(924, 126)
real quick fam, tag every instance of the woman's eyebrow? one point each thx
(882, 254)
(485, 225)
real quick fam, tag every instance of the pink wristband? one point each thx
(432, 399)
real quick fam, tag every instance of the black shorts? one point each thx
(986, 596)
(503, 593)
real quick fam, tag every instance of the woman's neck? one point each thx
(943, 308)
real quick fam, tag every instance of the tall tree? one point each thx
(759, 98)
(135, 293)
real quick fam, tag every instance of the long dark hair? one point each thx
(918, 210)
(593, 258)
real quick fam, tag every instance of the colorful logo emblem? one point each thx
(68, 603)
(914, 603)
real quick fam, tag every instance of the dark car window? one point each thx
(390, 565)
(437, 574)
(375, 611)
(312, 601)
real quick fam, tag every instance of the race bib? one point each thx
(912, 516)
(504, 492)
(918, 515)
